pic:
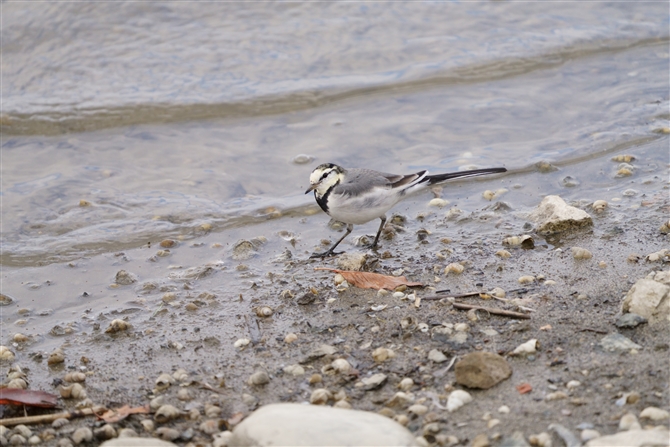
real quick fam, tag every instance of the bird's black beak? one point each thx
(310, 189)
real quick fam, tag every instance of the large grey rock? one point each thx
(633, 438)
(650, 298)
(618, 343)
(553, 215)
(137, 442)
(482, 370)
(311, 425)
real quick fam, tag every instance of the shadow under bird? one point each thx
(357, 196)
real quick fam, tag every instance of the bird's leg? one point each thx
(330, 251)
(379, 232)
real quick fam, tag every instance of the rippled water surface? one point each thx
(127, 123)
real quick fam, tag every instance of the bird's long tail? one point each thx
(438, 178)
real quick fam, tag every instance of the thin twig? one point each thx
(48, 418)
(504, 313)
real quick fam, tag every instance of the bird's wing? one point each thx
(359, 181)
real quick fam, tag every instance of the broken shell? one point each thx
(665, 228)
(454, 268)
(56, 357)
(164, 381)
(290, 337)
(6, 354)
(457, 399)
(259, 378)
(497, 292)
(624, 172)
(338, 279)
(82, 435)
(315, 378)
(241, 343)
(263, 311)
(18, 383)
(341, 366)
(180, 375)
(117, 325)
(74, 391)
(166, 413)
(20, 338)
(503, 254)
(526, 348)
(406, 384)
(382, 354)
(623, 158)
(342, 404)
(294, 370)
(74, 377)
(524, 241)
(526, 279)
(581, 253)
(599, 206)
(418, 409)
(657, 256)
(320, 396)
(439, 203)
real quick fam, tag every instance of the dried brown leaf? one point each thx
(31, 398)
(111, 416)
(368, 280)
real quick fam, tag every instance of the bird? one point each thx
(356, 196)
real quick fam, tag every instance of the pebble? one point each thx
(481, 440)
(455, 268)
(630, 320)
(294, 370)
(629, 422)
(541, 440)
(400, 399)
(437, 356)
(82, 435)
(320, 396)
(382, 354)
(418, 409)
(482, 370)
(124, 278)
(210, 426)
(167, 433)
(617, 343)
(259, 378)
(290, 337)
(655, 414)
(504, 409)
(632, 438)
(581, 253)
(406, 384)
(573, 384)
(527, 348)
(457, 399)
(439, 203)
(526, 279)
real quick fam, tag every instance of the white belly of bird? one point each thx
(361, 209)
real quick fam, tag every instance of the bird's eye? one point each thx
(324, 175)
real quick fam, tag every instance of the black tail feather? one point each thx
(438, 178)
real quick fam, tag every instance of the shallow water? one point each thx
(125, 125)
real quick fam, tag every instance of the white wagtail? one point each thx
(357, 196)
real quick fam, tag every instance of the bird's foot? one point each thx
(325, 254)
(370, 246)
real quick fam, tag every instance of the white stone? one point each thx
(137, 442)
(655, 414)
(437, 356)
(649, 298)
(309, 425)
(553, 215)
(632, 438)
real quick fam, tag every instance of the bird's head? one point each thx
(323, 177)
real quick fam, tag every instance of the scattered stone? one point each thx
(516, 439)
(527, 348)
(617, 343)
(650, 297)
(632, 438)
(629, 422)
(243, 250)
(553, 215)
(319, 352)
(482, 370)
(295, 424)
(82, 435)
(457, 399)
(124, 278)
(566, 435)
(351, 261)
(418, 409)
(655, 414)
(630, 320)
(481, 440)
(437, 356)
(259, 378)
(373, 382)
